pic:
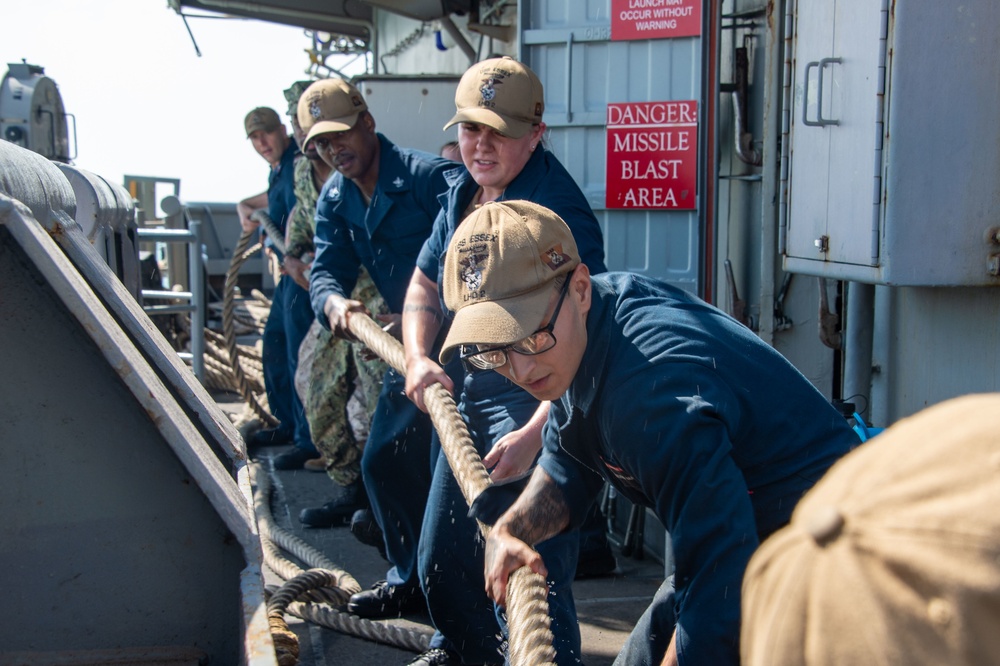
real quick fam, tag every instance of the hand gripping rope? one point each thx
(527, 598)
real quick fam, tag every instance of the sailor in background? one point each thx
(290, 316)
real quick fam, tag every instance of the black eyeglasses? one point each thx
(482, 357)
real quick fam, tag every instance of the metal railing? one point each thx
(192, 301)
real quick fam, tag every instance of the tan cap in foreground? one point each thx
(329, 105)
(893, 557)
(500, 93)
(499, 271)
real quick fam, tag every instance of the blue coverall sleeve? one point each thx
(669, 442)
(430, 255)
(587, 234)
(335, 268)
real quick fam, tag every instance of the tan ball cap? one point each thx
(330, 105)
(893, 557)
(500, 93)
(499, 272)
(262, 118)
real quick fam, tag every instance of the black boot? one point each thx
(269, 437)
(337, 512)
(367, 531)
(385, 600)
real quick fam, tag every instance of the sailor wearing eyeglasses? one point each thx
(679, 406)
(504, 158)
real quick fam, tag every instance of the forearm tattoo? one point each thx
(540, 513)
(417, 307)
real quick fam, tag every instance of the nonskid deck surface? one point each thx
(607, 607)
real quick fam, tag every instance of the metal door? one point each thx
(568, 44)
(836, 139)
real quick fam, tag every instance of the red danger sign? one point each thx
(655, 19)
(652, 155)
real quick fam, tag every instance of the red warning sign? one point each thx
(655, 19)
(652, 155)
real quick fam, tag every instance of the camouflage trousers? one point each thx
(339, 390)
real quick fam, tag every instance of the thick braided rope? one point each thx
(326, 586)
(240, 254)
(219, 376)
(249, 357)
(307, 596)
(217, 362)
(271, 532)
(243, 317)
(272, 230)
(347, 623)
(259, 299)
(286, 643)
(527, 602)
(463, 457)
(319, 596)
(526, 595)
(218, 373)
(313, 579)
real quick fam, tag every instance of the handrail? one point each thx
(196, 281)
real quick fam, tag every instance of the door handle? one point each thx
(820, 120)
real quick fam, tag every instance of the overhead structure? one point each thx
(350, 18)
(426, 10)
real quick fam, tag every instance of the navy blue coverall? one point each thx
(385, 236)
(686, 411)
(451, 558)
(289, 319)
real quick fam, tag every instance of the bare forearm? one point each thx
(252, 203)
(246, 208)
(539, 513)
(422, 319)
(670, 658)
(422, 316)
(538, 419)
(421, 324)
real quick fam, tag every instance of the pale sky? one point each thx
(145, 103)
